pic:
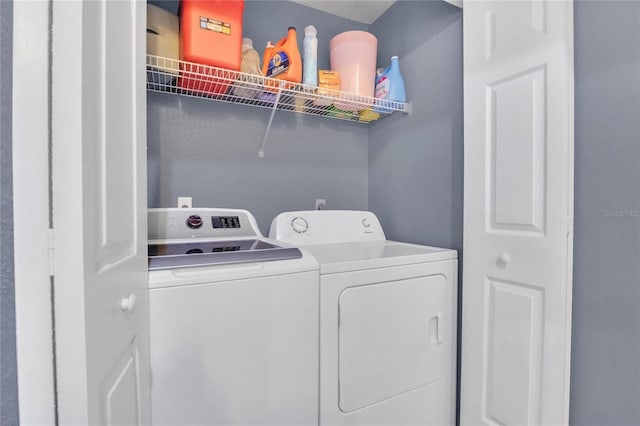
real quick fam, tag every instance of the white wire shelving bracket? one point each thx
(168, 75)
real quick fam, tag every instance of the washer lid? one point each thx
(179, 253)
(346, 257)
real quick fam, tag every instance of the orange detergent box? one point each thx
(210, 34)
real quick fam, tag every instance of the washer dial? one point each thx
(300, 225)
(194, 221)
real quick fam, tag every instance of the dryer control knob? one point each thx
(300, 225)
(366, 223)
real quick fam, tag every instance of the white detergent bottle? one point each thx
(310, 56)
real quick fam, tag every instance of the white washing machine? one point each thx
(234, 322)
(387, 321)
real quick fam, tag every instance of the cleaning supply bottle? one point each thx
(250, 58)
(250, 65)
(285, 63)
(390, 85)
(268, 53)
(310, 56)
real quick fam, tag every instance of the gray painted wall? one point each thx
(605, 370)
(8, 369)
(416, 161)
(209, 150)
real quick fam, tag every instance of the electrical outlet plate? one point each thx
(184, 203)
(321, 204)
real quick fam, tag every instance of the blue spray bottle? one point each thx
(390, 85)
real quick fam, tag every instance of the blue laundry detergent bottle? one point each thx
(390, 86)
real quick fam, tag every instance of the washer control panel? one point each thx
(172, 223)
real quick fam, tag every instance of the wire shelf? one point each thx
(189, 79)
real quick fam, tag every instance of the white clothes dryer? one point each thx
(387, 320)
(233, 322)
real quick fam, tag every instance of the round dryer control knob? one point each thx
(300, 225)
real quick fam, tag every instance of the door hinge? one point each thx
(50, 251)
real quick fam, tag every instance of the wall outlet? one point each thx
(321, 204)
(184, 203)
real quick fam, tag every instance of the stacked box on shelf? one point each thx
(163, 30)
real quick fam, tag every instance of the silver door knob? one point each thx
(503, 259)
(128, 304)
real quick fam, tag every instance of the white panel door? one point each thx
(99, 212)
(518, 80)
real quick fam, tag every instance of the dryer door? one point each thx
(391, 339)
